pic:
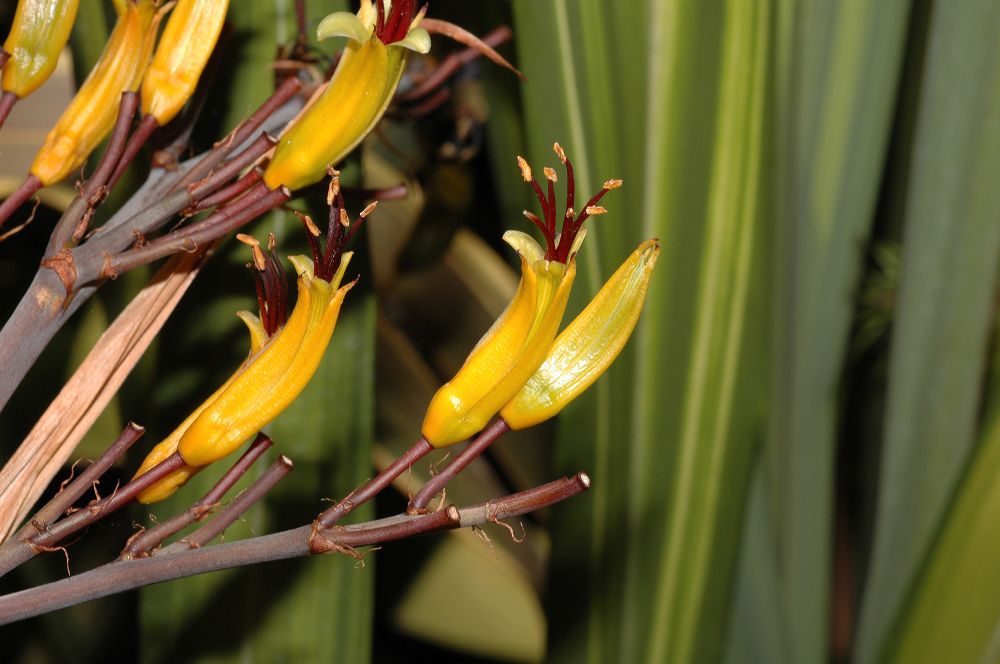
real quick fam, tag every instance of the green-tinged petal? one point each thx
(525, 245)
(417, 39)
(588, 346)
(37, 36)
(343, 24)
(258, 335)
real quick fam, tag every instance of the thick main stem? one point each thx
(120, 576)
(13, 552)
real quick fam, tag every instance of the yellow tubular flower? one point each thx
(40, 30)
(187, 42)
(588, 346)
(91, 114)
(509, 353)
(515, 347)
(278, 368)
(356, 96)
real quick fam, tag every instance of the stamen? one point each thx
(525, 168)
(311, 225)
(559, 152)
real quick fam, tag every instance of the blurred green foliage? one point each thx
(795, 458)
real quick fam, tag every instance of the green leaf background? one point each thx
(794, 460)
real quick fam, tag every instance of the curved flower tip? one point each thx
(284, 355)
(508, 354)
(588, 345)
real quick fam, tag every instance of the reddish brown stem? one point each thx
(13, 552)
(190, 238)
(99, 509)
(230, 192)
(252, 153)
(121, 576)
(107, 170)
(17, 198)
(375, 485)
(288, 89)
(146, 127)
(234, 510)
(69, 494)
(140, 545)
(437, 483)
(453, 63)
(7, 101)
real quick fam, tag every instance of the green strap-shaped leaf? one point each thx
(946, 307)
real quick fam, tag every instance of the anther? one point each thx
(612, 184)
(272, 242)
(525, 168)
(595, 209)
(310, 225)
(559, 152)
(248, 240)
(368, 210)
(550, 174)
(345, 220)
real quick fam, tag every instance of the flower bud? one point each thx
(91, 114)
(184, 49)
(40, 30)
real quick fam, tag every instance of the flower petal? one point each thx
(588, 346)
(417, 39)
(343, 24)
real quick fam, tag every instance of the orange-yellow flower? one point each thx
(514, 348)
(91, 114)
(283, 356)
(184, 49)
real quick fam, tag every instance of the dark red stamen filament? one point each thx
(326, 262)
(272, 292)
(572, 221)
